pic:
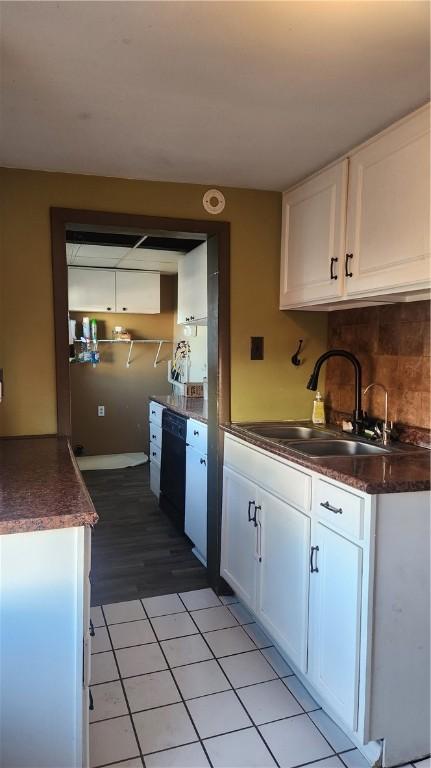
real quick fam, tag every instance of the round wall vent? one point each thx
(213, 201)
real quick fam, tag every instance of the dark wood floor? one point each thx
(136, 551)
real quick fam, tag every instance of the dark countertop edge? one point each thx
(24, 524)
(178, 408)
(48, 523)
(372, 488)
(91, 514)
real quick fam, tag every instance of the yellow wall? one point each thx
(267, 389)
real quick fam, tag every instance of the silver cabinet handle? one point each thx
(313, 568)
(335, 510)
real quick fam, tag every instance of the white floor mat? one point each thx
(111, 461)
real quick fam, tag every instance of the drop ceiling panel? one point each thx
(150, 259)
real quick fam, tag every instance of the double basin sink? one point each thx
(314, 442)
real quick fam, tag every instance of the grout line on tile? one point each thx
(242, 705)
(181, 695)
(124, 694)
(184, 701)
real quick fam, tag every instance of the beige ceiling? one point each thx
(249, 94)
(147, 259)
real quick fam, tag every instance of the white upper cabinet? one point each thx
(313, 238)
(365, 239)
(192, 286)
(109, 290)
(388, 217)
(138, 292)
(91, 289)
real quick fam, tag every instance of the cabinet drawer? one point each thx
(156, 435)
(197, 435)
(155, 454)
(284, 481)
(155, 413)
(341, 509)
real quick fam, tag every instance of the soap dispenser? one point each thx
(318, 410)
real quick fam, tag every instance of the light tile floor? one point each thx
(191, 681)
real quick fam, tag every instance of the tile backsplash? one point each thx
(392, 343)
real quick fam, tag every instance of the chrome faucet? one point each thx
(387, 425)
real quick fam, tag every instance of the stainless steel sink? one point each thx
(286, 431)
(323, 448)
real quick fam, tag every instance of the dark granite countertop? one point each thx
(41, 486)
(192, 407)
(406, 470)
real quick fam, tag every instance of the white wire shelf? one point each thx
(160, 342)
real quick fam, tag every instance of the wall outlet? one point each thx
(100, 410)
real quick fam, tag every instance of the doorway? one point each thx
(216, 236)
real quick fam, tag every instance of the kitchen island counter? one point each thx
(41, 486)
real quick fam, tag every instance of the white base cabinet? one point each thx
(340, 581)
(45, 648)
(239, 542)
(282, 603)
(195, 519)
(155, 411)
(335, 621)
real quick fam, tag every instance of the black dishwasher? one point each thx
(173, 467)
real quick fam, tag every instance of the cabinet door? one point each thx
(195, 523)
(335, 621)
(138, 292)
(192, 286)
(91, 290)
(239, 537)
(388, 232)
(284, 575)
(313, 239)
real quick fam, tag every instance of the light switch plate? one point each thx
(100, 410)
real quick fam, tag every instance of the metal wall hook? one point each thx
(295, 359)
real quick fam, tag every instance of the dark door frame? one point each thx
(218, 238)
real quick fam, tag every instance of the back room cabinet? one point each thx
(137, 292)
(109, 290)
(192, 286)
(91, 289)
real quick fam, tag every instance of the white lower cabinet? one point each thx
(339, 579)
(155, 411)
(282, 603)
(239, 542)
(335, 621)
(195, 519)
(44, 637)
